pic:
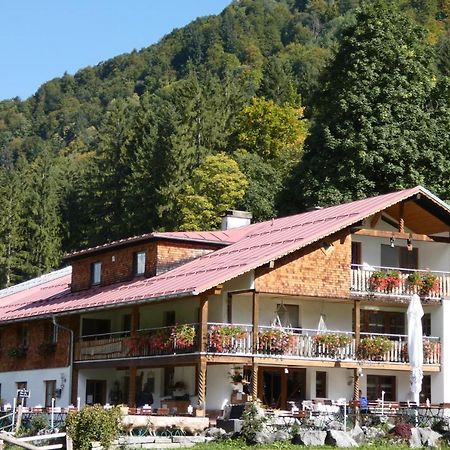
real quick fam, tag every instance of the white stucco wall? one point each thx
(431, 255)
(218, 386)
(440, 383)
(35, 380)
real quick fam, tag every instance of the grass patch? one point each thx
(240, 444)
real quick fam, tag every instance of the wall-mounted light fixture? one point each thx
(392, 241)
(409, 245)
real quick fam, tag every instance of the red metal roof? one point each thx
(255, 245)
(209, 237)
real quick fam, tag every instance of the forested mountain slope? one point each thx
(215, 116)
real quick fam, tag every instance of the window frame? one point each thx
(94, 281)
(136, 264)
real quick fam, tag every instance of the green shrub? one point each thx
(38, 423)
(93, 423)
(253, 421)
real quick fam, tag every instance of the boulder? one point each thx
(214, 432)
(337, 438)
(281, 435)
(429, 438)
(374, 434)
(358, 434)
(263, 437)
(414, 440)
(335, 425)
(311, 438)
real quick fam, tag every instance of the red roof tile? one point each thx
(253, 246)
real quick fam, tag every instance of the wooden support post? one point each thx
(203, 321)
(401, 221)
(201, 388)
(132, 386)
(255, 320)
(254, 381)
(74, 387)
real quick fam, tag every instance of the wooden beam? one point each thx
(401, 222)
(255, 319)
(375, 219)
(132, 386)
(201, 388)
(255, 375)
(74, 387)
(203, 321)
(405, 236)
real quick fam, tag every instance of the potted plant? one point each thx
(183, 336)
(330, 344)
(430, 348)
(374, 348)
(384, 281)
(273, 341)
(18, 351)
(222, 338)
(423, 283)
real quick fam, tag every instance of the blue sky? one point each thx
(40, 40)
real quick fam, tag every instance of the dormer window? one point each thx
(139, 263)
(96, 273)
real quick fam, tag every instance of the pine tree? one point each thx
(373, 125)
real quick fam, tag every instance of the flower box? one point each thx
(330, 344)
(374, 348)
(423, 283)
(384, 281)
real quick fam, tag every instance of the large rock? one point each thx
(214, 432)
(374, 434)
(358, 434)
(281, 435)
(429, 438)
(263, 437)
(313, 438)
(338, 438)
(414, 440)
(335, 425)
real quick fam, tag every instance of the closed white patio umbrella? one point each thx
(415, 346)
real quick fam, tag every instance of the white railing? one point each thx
(398, 282)
(237, 339)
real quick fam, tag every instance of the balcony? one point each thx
(396, 282)
(231, 339)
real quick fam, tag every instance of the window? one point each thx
(96, 273)
(139, 263)
(426, 324)
(22, 336)
(126, 323)
(169, 318)
(19, 386)
(96, 327)
(288, 315)
(399, 257)
(321, 384)
(376, 384)
(169, 373)
(50, 333)
(386, 322)
(50, 392)
(425, 394)
(356, 253)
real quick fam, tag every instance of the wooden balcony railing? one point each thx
(399, 282)
(231, 339)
